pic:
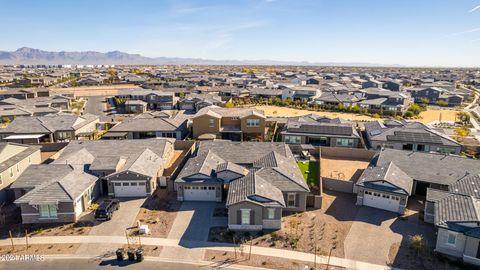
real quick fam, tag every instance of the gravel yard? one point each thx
(329, 226)
(45, 249)
(223, 259)
(342, 169)
(159, 212)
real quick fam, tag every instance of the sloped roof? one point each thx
(374, 177)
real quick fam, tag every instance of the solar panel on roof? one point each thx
(414, 137)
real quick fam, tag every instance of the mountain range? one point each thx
(31, 56)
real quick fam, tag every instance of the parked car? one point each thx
(106, 208)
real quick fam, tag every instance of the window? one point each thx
(271, 213)
(11, 172)
(253, 122)
(63, 135)
(125, 184)
(211, 188)
(141, 184)
(133, 184)
(291, 199)
(48, 211)
(344, 142)
(18, 169)
(117, 184)
(452, 238)
(211, 123)
(245, 215)
(293, 139)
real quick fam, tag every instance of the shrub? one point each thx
(415, 109)
(417, 243)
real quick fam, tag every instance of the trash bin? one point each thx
(120, 254)
(131, 254)
(139, 254)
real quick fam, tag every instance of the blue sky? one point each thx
(407, 32)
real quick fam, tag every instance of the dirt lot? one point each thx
(431, 115)
(105, 90)
(274, 111)
(342, 169)
(159, 212)
(223, 259)
(403, 257)
(329, 226)
(43, 249)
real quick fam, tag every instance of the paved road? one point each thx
(82, 264)
(97, 107)
(165, 243)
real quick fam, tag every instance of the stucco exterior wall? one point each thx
(452, 250)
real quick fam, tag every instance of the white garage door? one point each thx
(130, 189)
(381, 201)
(196, 193)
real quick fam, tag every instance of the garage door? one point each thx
(381, 201)
(130, 189)
(195, 193)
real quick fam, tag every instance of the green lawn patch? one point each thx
(310, 171)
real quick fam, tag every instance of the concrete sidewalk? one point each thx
(165, 242)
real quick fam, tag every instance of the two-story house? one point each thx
(236, 124)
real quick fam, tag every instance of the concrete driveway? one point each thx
(192, 224)
(374, 231)
(122, 218)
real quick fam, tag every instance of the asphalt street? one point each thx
(82, 264)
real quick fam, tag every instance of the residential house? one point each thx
(257, 180)
(152, 125)
(236, 124)
(303, 93)
(321, 131)
(126, 168)
(410, 136)
(385, 101)
(156, 100)
(48, 128)
(14, 159)
(394, 175)
(54, 193)
(456, 215)
(432, 95)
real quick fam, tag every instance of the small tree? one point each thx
(417, 243)
(462, 132)
(424, 101)
(415, 109)
(442, 103)
(340, 107)
(229, 104)
(463, 117)
(6, 120)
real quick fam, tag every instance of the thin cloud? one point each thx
(465, 32)
(475, 9)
